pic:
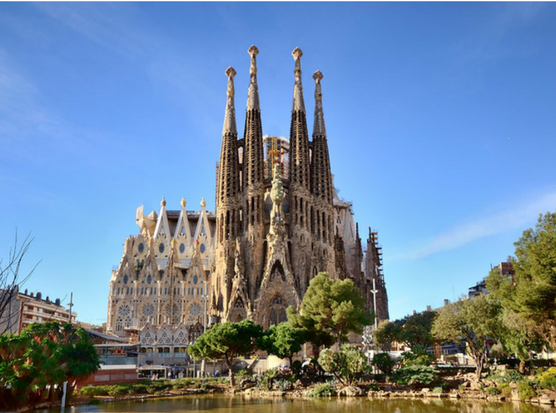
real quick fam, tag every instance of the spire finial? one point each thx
(298, 103)
(230, 117)
(297, 53)
(183, 203)
(319, 127)
(203, 203)
(253, 93)
(163, 202)
(253, 52)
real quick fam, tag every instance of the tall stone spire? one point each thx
(228, 176)
(298, 103)
(253, 159)
(253, 94)
(321, 175)
(318, 128)
(299, 138)
(230, 117)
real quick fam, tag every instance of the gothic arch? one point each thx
(277, 268)
(277, 311)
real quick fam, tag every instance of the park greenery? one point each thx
(35, 364)
(519, 316)
(330, 310)
(227, 341)
(344, 364)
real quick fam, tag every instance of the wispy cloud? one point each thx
(20, 115)
(517, 217)
(107, 24)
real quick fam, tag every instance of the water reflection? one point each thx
(223, 404)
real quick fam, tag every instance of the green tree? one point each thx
(386, 333)
(227, 340)
(470, 321)
(283, 341)
(531, 292)
(344, 364)
(41, 358)
(414, 330)
(384, 363)
(331, 308)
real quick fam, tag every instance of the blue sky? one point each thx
(440, 120)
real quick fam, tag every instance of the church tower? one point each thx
(322, 208)
(278, 222)
(300, 186)
(228, 213)
(253, 183)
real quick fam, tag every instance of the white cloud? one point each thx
(519, 216)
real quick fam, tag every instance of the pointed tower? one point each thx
(252, 209)
(228, 171)
(227, 202)
(299, 138)
(300, 187)
(253, 160)
(321, 176)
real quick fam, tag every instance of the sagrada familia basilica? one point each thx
(278, 222)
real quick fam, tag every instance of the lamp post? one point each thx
(374, 291)
(205, 299)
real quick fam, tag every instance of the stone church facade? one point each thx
(278, 222)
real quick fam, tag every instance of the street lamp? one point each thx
(205, 299)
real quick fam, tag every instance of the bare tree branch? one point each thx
(11, 280)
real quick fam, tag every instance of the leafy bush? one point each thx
(92, 391)
(118, 390)
(416, 359)
(438, 390)
(283, 384)
(492, 391)
(497, 351)
(415, 375)
(547, 379)
(344, 364)
(374, 387)
(384, 363)
(526, 391)
(322, 390)
(507, 376)
(505, 389)
(244, 374)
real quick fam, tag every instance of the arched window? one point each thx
(277, 313)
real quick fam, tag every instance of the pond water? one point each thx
(223, 404)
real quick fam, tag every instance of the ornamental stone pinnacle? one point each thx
(183, 203)
(163, 202)
(319, 127)
(230, 117)
(230, 72)
(297, 53)
(253, 52)
(318, 76)
(203, 203)
(253, 92)
(298, 102)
